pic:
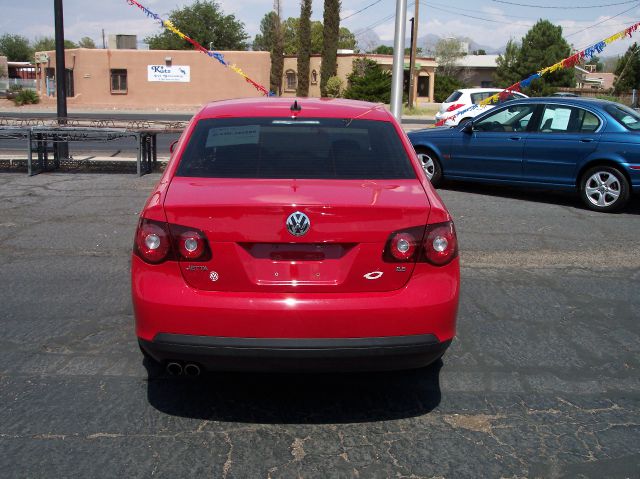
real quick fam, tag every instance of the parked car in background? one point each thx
(464, 98)
(587, 145)
(566, 94)
(296, 235)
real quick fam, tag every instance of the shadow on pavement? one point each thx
(555, 197)
(296, 398)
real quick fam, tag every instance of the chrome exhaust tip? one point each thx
(192, 370)
(174, 369)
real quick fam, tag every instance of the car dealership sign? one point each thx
(174, 73)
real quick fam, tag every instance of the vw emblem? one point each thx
(298, 223)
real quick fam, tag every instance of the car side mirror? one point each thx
(172, 146)
(468, 127)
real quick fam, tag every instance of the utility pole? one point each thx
(61, 73)
(412, 61)
(409, 104)
(397, 76)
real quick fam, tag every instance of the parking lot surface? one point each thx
(542, 381)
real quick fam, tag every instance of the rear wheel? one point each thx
(604, 188)
(431, 165)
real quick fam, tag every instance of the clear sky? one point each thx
(488, 22)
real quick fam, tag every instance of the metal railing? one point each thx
(43, 135)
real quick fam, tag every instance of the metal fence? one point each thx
(6, 83)
(44, 135)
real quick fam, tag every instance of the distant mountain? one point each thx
(427, 42)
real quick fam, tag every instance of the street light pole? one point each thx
(413, 78)
(61, 73)
(397, 76)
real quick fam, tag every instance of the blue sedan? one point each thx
(585, 145)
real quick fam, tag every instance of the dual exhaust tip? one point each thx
(176, 369)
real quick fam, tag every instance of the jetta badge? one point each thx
(298, 223)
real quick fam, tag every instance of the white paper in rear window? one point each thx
(233, 135)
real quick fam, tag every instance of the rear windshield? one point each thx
(627, 117)
(453, 97)
(303, 148)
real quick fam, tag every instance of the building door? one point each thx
(423, 86)
(69, 82)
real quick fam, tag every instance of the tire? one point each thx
(604, 188)
(431, 165)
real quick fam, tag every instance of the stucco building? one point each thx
(150, 79)
(425, 68)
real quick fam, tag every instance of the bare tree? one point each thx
(448, 54)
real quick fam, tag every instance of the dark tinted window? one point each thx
(453, 97)
(478, 97)
(303, 148)
(627, 117)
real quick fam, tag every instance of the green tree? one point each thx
(263, 41)
(46, 44)
(507, 71)
(368, 82)
(205, 22)
(290, 35)
(16, 48)
(628, 71)
(383, 50)
(347, 40)
(277, 53)
(304, 47)
(330, 37)
(541, 47)
(86, 42)
(444, 86)
(595, 60)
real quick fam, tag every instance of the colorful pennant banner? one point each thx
(215, 55)
(568, 62)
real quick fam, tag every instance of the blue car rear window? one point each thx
(627, 117)
(324, 148)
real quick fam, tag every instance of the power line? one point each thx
(529, 5)
(430, 5)
(595, 24)
(361, 10)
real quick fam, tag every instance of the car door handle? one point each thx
(586, 140)
(515, 138)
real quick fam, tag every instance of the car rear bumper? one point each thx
(169, 314)
(328, 354)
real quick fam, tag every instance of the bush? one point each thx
(369, 82)
(444, 87)
(334, 87)
(26, 97)
(15, 87)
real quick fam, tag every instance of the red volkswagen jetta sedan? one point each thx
(294, 234)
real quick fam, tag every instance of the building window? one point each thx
(314, 77)
(292, 81)
(118, 81)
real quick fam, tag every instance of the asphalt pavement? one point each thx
(542, 380)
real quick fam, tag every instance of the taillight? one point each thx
(403, 245)
(455, 106)
(153, 242)
(190, 243)
(157, 241)
(440, 244)
(435, 244)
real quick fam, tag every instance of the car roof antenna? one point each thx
(295, 109)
